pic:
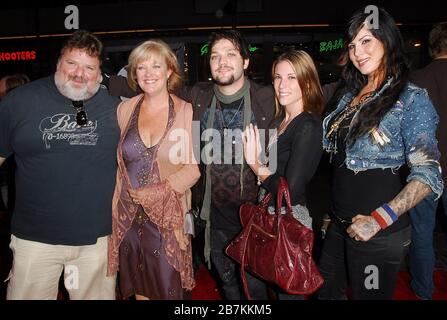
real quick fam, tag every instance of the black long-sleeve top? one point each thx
(299, 149)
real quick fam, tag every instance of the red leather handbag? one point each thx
(275, 247)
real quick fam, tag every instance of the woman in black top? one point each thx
(381, 140)
(298, 142)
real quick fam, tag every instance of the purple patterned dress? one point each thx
(144, 269)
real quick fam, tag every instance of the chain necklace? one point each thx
(284, 124)
(225, 126)
(340, 118)
(335, 126)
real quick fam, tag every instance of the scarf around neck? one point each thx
(242, 93)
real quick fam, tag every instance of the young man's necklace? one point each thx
(225, 126)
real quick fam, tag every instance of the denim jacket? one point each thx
(405, 135)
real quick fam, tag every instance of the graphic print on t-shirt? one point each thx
(62, 126)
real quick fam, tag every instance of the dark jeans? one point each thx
(422, 255)
(444, 202)
(228, 269)
(372, 267)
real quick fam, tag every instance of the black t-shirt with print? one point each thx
(65, 174)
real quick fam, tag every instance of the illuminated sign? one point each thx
(204, 49)
(331, 45)
(252, 49)
(17, 55)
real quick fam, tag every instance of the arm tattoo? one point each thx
(409, 197)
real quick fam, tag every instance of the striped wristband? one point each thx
(384, 215)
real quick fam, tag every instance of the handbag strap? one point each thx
(242, 268)
(283, 191)
(265, 200)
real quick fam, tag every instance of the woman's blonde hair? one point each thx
(308, 80)
(150, 48)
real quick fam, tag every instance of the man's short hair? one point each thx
(437, 40)
(236, 39)
(84, 40)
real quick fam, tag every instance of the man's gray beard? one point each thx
(73, 94)
(226, 83)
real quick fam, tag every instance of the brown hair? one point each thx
(308, 80)
(14, 81)
(438, 40)
(232, 35)
(84, 40)
(150, 48)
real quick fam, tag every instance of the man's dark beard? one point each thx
(226, 83)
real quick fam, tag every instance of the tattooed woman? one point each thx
(381, 140)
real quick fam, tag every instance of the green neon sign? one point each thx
(252, 49)
(331, 45)
(204, 49)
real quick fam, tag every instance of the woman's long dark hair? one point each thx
(394, 64)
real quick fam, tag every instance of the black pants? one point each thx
(372, 267)
(228, 269)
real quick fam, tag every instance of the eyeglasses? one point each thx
(81, 115)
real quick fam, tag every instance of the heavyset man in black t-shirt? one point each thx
(63, 132)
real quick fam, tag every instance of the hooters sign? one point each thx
(17, 55)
